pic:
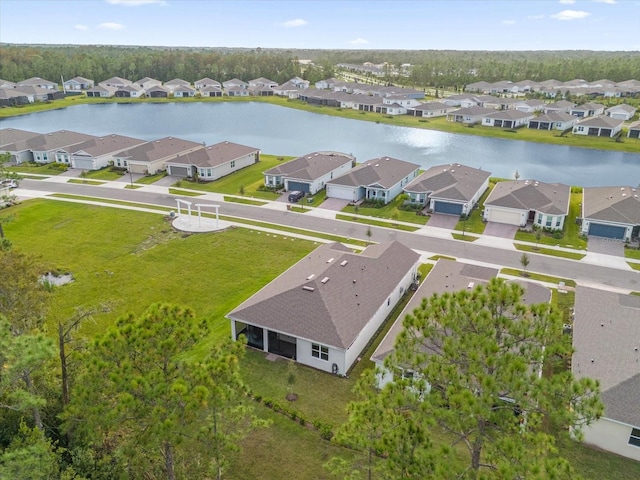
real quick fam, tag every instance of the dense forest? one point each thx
(428, 67)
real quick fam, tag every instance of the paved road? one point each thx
(585, 274)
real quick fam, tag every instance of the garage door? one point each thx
(179, 171)
(300, 186)
(335, 191)
(504, 216)
(607, 231)
(447, 207)
(84, 163)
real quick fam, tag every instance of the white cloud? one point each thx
(567, 2)
(111, 26)
(136, 3)
(535, 17)
(508, 22)
(359, 41)
(298, 22)
(82, 28)
(610, 2)
(570, 15)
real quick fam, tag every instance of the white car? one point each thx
(9, 183)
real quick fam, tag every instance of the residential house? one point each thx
(10, 97)
(559, 106)
(289, 89)
(528, 201)
(237, 91)
(262, 82)
(553, 121)
(15, 142)
(379, 179)
(469, 115)
(487, 101)
(326, 84)
(447, 276)
(35, 93)
(99, 152)
(184, 91)
(507, 119)
(299, 82)
(611, 212)
(172, 85)
(460, 100)
(391, 108)
(526, 86)
(38, 82)
(129, 91)
(115, 82)
(325, 309)
(77, 84)
(453, 189)
(480, 87)
(157, 91)
(587, 110)
(147, 83)
(366, 103)
(621, 112)
(605, 341)
(102, 91)
(530, 106)
(152, 157)
(213, 162)
(501, 103)
(6, 84)
(403, 100)
(206, 82)
(48, 147)
(211, 91)
(235, 82)
(601, 126)
(430, 109)
(309, 173)
(634, 130)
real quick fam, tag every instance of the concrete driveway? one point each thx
(501, 230)
(336, 204)
(129, 177)
(607, 246)
(443, 221)
(167, 181)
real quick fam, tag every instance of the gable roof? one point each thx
(549, 198)
(206, 81)
(335, 311)
(13, 135)
(158, 149)
(49, 141)
(214, 155)
(452, 181)
(623, 107)
(104, 145)
(601, 121)
(36, 81)
(427, 106)
(117, 81)
(606, 330)
(561, 104)
(474, 111)
(612, 204)
(311, 166)
(635, 125)
(79, 80)
(509, 115)
(383, 171)
(177, 82)
(555, 117)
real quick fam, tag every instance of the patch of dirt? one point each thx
(291, 397)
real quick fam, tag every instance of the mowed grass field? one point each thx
(132, 259)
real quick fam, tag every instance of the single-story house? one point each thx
(453, 188)
(507, 119)
(611, 212)
(34, 92)
(184, 91)
(262, 82)
(377, 179)
(214, 161)
(530, 106)
(481, 87)
(391, 109)
(157, 91)
(235, 82)
(525, 86)
(325, 84)
(325, 309)
(78, 83)
(211, 91)
(559, 106)
(15, 142)
(6, 84)
(55, 146)
(430, 109)
(261, 91)
(102, 91)
(129, 91)
(206, 82)
(447, 276)
(501, 103)
(288, 89)
(601, 126)
(237, 91)
(519, 202)
(634, 130)
(171, 85)
(469, 115)
(147, 83)
(553, 121)
(460, 100)
(98, 152)
(116, 82)
(587, 110)
(11, 97)
(309, 173)
(151, 157)
(367, 103)
(621, 112)
(38, 82)
(404, 100)
(605, 339)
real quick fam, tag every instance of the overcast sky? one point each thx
(361, 24)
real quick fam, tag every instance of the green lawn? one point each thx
(376, 223)
(632, 253)
(246, 201)
(635, 266)
(33, 168)
(186, 193)
(389, 211)
(149, 179)
(538, 276)
(474, 223)
(84, 181)
(550, 251)
(250, 178)
(103, 174)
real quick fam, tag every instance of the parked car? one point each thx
(9, 183)
(295, 195)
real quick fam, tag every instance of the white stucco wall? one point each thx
(226, 168)
(541, 220)
(611, 436)
(335, 356)
(628, 228)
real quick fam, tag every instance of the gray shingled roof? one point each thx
(13, 135)
(108, 144)
(383, 171)
(49, 141)
(554, 117)
(612, 204)
(549, 198)
(452, 181)
(606, 339)
(473, 111)
(214, 155)
(311, 166)
(561, 104)
(428, 106)
(164, 147)
(178, 82)
(509, 115)
(601, 121)
(635, 125)
(335, 312)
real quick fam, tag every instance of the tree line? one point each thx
(428, 67)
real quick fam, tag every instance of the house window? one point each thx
(118, 162)
(540, 220)
(558, 222)
(549, 221)
(125, 163)
(233, 164)
(320, 351)
(634, 438)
